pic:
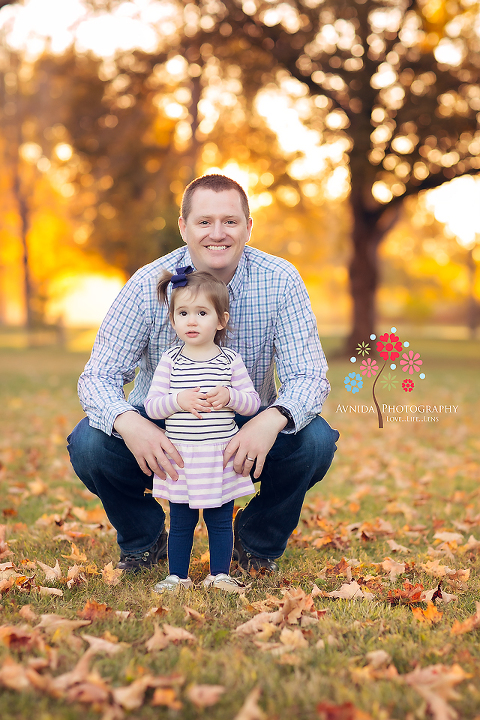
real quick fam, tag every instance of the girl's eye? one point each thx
(202, 313)
(182, 313)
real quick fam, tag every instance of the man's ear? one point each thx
(249, 228)
(181, 226)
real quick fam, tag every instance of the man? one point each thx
(287, 446)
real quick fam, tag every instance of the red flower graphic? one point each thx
(408, 385)
(389, 346)
(411, 362)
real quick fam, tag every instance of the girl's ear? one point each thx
(223, 325)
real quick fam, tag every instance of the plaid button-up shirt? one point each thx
(273, 326)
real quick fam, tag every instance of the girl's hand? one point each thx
(219, 397)
(193, 401)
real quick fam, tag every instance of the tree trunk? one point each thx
(369, 228)
(23, 214)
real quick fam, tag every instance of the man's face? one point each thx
(216, 231)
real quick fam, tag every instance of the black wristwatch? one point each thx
(286, 414)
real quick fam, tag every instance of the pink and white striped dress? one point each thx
(203, 482)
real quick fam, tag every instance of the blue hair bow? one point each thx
(180, 279)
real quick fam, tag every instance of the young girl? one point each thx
(197, 388)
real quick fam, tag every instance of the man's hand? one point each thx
(253, 442)
(193, 401)
(149, 445)
(219, 397)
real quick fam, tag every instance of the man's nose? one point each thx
(217, 232)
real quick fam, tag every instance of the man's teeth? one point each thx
(217, 247)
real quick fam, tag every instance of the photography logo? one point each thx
(392, 350)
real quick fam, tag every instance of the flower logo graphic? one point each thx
(408, 385)
(389, 382)
(353, 382)
(411, 362)
(369, 367)
(363, 349)
(389, 346)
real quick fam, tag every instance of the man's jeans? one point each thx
(295, 463)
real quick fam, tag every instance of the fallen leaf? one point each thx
(50, 591)
(111, 576)
(204, 695)
(76, 555)
(191, 614)
(393, 568)
(166, 697)
(448, 537)
(51, 623)
(158, 641)
(176, 634)
(27, 614)
(430, 615)
(409, 594)
(346, 711)
(351, 591)
(435, 684)
(93, 610)
(14, 676)
(75, 576)
(250, 709)
(100, 645)
(439, 594)
(156, 612)
(51, 573)
(293, 639)
(395, 547)
(471, 623)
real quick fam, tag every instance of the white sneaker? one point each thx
(172, 583)
(222, 581)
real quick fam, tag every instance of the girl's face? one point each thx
(194, 318)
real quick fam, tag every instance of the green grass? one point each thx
(412, 475)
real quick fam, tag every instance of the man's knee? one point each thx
(85, 444)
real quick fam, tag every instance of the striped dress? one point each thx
(203, 482)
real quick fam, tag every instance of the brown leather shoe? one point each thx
(134, 562)
(246, 561)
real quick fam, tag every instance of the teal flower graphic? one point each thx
(353, 382)
(363, 349)
(389, 382)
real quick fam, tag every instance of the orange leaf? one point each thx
(93, 610)
(166, 697)
(430, 615)
(205, 695)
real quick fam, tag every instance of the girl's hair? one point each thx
(215, 291)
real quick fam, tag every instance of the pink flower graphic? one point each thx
(389, 346)
(411, 362)
(369, 367)
(408, 385)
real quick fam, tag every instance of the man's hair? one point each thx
(217, 183)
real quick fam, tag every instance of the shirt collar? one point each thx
(238, 280)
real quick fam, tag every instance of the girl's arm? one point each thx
(160, 403)
(244, 399)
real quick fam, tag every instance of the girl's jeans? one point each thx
(183, 520)
(295, 463)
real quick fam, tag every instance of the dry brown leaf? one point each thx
(100, 645)
(27, 614)
(351, 591)
(204, 695)
(176, 634)
(294, 639)
(50, 591)
(395, 547)
(156, 611)
(449, 537)
(346, 711)
(89, 692)
(20, 637)
(76, 555)
(14, 676)
(158, 641)
(166, 697)
(51, 573)
(439, 594)
(93, 610)
(378, 658)
(250, 709)
(75, 576)
(393, 568)
(430, 615)
(472, 544)
(435, 684)
(191, 614)
(131, 696)
(471, 623)
(51, 623)
(111, 576)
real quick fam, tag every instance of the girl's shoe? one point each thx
(222, 581)
(172, 583)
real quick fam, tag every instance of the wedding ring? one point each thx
(250, 459)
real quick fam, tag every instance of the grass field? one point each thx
(397, 514)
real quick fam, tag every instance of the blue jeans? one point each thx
(295, 463)
(183, 520)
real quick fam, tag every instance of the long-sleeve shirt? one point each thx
(273, 327)
(176, 372)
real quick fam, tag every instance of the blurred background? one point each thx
(354, 126)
